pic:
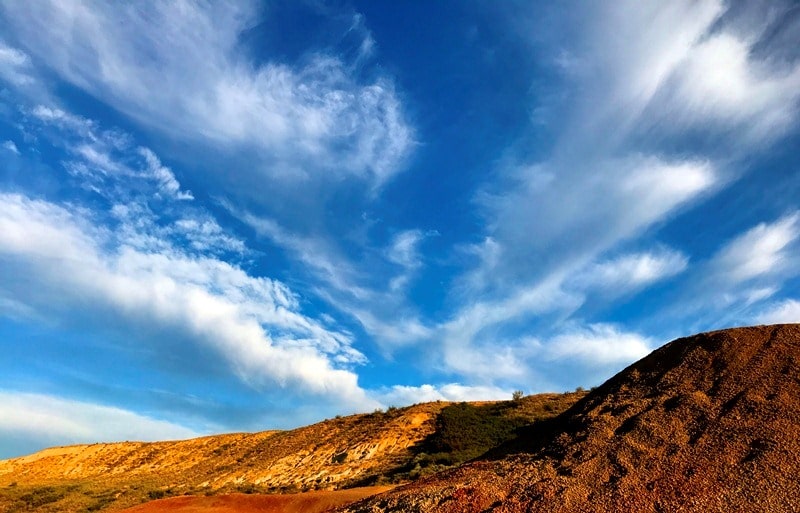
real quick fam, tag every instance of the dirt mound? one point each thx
(309, 502)
(709, 423)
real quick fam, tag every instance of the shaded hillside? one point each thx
(709, 423)
(358, 450)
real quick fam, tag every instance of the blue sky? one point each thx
(227, 216)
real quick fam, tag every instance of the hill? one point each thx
(709, 423)
(388, 447)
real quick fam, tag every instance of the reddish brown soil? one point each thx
(709, 423)
(310, 502)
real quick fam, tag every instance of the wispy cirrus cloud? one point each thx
(151, 258)
(734, 283)
(11, 147)
(748, 269)
(320, 257)
(380, 308)
(307, 127)
(15, 65)
(253, 323)
(631, 197)
(654, 73)
(630, 272)
(177, 69)
(598, 345)
(787, 311)
(106, 156)
(723, 84)
(765, 250)
(544, 217)
(403, 251)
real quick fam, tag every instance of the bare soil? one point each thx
(709, 423)
(309, 502)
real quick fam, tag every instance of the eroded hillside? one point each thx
(377, 448)
(709, 423)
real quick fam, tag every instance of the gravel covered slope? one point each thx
(709, 423)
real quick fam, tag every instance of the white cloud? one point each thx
(584, 209)
(488, 254)
(576, 216)
(178, 68)
(624, 54)
(734, 282)
(764, 250)
(720, 84)
(163, 176)
(10, 146)
(783, 312)
(15, 66)
(403, 251)
(636, 77)
(318, 255)
(47, 420)
(66, 121)
(390, 331)
(583, 352)
(384, 315)
(598, 345)
(252, 323)
(471, 346)
(16, 310)
(632, 271)
(400, 395)
(204, 234)
(664, 68)
(103, 154)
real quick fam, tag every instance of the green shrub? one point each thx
(156, 494)
(248, 488)
(41, 496)
(465, 431)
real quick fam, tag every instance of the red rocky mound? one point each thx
(709, 423)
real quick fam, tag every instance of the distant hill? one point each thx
(709, 423)
(379, 448)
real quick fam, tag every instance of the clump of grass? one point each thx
(159, 494)
(102, 501)
(40, 496)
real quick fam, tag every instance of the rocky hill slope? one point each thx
(377, 448)
(709, 423)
